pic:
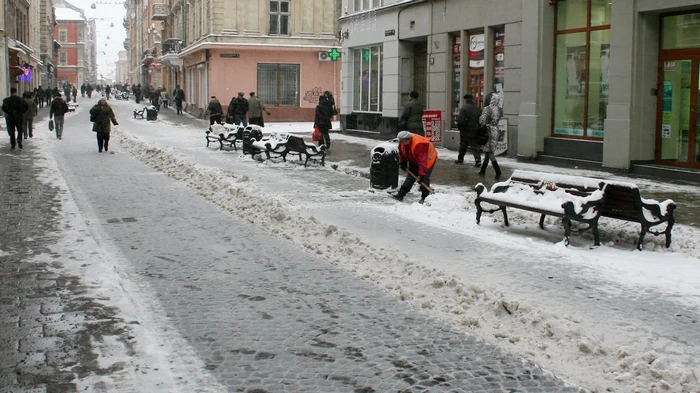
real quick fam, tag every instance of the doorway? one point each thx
(677, 137)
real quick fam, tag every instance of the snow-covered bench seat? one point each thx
(623, 201)
(576, 198)
(569, 197)
(272, 144)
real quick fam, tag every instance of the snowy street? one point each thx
(217, 272)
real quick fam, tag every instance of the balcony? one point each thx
(126, 23)
(172, 46)
(159, 11)
(149, 55)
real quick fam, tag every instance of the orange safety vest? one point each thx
(432, 153)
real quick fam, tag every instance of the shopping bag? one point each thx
(51, 125)
(317, 136)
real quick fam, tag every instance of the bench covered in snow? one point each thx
(569, 197)
(282, 144)
(575, 198)
(230, 134)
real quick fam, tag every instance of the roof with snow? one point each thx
(68, 14)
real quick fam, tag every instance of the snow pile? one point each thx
(559, 343)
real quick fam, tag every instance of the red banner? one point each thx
(432, 125)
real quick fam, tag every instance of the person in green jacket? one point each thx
(412, 117)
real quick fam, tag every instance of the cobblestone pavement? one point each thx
(262, 315)
(45, 322)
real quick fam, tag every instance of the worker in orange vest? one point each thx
(417, 156)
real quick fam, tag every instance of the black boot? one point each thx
(399, 195)
(498, 170)
(485, 165)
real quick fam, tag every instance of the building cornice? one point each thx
(220, 41)
(381, 9)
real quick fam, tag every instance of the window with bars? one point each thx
(279, 17)
(361, 5)
(62, 35)
(278, 84)
(62, 57)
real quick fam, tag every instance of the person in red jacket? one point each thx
(417, 155)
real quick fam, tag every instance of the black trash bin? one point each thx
(384, 168)
(151, 113)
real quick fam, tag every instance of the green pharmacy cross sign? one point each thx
(334, 54)
(366, 54)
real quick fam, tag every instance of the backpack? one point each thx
(482, 135)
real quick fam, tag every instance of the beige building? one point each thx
(595, 83)
(278, 49)
(121, 74)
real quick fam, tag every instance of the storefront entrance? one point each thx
(677, 131)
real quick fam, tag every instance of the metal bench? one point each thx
(571, 198)
(297, 145)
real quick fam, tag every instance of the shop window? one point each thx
(475, 72)
(499, 63)
(278, 84)
(582, 55)
(279, 17)
(456, 77)
(368, 79)
(681, 31)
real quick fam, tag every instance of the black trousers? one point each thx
(15, 131)
(215, 119)
(326, 136)
(102, 140)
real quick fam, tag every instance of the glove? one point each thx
(403, 165)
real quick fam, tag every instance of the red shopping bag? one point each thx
(317, 136)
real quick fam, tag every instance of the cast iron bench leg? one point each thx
(669, 226)
(645, 229)
(567, 229)
(505, 215)
(542, 221)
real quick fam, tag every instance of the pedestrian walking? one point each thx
(331, 100)
(48, 96)
(108, 90)
(13, 107)
(102, 117)
(255, 110)
(322, 120)
(490, 116)
(468, 123)
(178, 98)
(83, 89)
(412, 117)
(417, 156)
(75, 94)
(57, 112)
(164, 97)
(215, 111)
(28, 116)
(238, 110)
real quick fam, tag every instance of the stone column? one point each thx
(535, 114)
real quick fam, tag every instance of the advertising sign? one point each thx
(432, 125)
(502, 144)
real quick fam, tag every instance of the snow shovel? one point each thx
(427, 187)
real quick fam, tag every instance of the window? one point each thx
(582, 55)
(278, 84)
(361, 5)
(368, 79)
(279, 17)
(63, 57)
(62, 35)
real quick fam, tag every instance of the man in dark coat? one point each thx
(468, 123)
(178, 98)
(215, 111)
(58, 110)
(102, 115)
(324, 113)
(14, 108)
(412, 115)
(238, 109)
(255, 110)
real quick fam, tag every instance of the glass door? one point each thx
(677, 137)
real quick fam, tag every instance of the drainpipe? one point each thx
(7, 52)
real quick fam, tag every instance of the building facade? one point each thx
(122, 68)
(72, 31)
(585, 82)
(278, 49)
(48, 46)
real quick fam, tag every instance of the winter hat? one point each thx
(403, 135)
